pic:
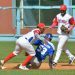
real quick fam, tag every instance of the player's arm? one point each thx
(50, 61)
(54, 23)
(72, 24)
(51, 58)
(51, 53)
(37, 42)
(37, 34)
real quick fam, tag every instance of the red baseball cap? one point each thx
(41, 25)
(63, 7)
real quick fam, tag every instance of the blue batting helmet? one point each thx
(48, 35)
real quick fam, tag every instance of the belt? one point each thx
(26, 38)
(29, 39)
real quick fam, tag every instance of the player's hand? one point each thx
(65, 30)
(49, 27)
(68, 31)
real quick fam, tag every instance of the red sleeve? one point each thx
(37, 32)
(71, 21)
(55, 22)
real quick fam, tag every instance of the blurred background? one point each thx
(17, 17)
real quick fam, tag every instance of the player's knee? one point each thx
(32, 53)
(36, 65)
(16, 52)
(59, 48)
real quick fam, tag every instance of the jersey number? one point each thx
(43, 51)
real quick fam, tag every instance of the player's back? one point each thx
(31, 35)
(44, 50)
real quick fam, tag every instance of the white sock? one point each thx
(69, 54)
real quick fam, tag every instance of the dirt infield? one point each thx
(44, 66)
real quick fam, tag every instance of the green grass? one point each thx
(37, 72)
(8, 47)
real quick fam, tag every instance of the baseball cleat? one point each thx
(16, 67)
(2, 67)
(23, 67)
(71, 60)
(54, 65)
(1, 62)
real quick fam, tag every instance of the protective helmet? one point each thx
(48, 35)
(41, 25)
(63, 7)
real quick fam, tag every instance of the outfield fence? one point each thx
(14, 36)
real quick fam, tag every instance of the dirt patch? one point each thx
(45, 66)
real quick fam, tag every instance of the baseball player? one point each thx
(43, 50)
(66, 20)
(24, 43)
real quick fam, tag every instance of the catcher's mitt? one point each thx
(64, 29)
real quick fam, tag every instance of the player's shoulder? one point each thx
(52, 45)
(37, 30)
(59, 14)
(68, 15)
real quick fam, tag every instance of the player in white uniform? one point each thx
(68, 21)
(24, 43)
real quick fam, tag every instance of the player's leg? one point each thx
(11, 55)
(51, 61)
(35, 63)
(70, 56)
(61, 43)
(30, 50)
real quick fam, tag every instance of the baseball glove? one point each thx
(64, 29)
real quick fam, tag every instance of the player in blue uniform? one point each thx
(43, 49)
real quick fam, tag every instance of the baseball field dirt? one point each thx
(44, 66)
